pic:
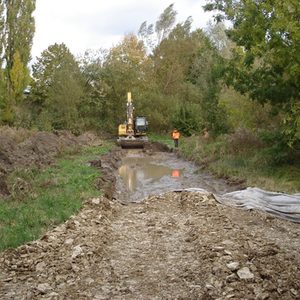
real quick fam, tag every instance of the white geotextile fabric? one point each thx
(282, 205)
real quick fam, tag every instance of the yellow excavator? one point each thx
(132, 133)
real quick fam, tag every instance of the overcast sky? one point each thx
(94, 24)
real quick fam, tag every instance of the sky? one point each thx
(94, 24)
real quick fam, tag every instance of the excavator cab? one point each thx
(141, 124)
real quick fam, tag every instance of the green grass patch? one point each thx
(42, 199)
(164, 139)
(252, 164)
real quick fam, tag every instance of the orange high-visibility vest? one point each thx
(175, 135)
(175, 173)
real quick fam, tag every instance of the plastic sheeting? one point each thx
(282, 205)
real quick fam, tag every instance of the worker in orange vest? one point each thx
(176, 136)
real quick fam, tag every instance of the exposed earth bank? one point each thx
(178, 245)
(21, 148)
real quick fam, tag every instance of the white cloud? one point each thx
(102, 23)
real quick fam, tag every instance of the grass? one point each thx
(252, 165)
(164, 139)
(42, 199)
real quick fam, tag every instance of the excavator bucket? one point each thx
(130, 143)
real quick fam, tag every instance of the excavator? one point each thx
(132, 133)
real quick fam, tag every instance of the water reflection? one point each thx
(136, 170)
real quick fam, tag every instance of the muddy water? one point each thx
(142, 174)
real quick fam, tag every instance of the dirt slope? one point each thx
(173, 246)
(21, 148)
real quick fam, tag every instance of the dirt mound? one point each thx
(20, 148)
(157, 147)
(108, 164)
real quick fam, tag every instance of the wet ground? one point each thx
(176, 245)
(141, 175)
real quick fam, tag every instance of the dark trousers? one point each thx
(176, 143)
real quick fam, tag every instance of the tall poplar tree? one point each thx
(2, 82)
(17, 33)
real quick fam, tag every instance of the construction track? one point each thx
(178, 245)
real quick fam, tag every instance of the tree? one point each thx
(162, 28)
(266, 63)
(57, 89)
(165, 23)
(94, 108)
(216, 32)
(16, 34)
(188, 70)
(125, 69)
(19, 76)
(2, 32)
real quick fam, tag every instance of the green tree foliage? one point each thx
(216, 32)
(266, 63)
(19, 76)
(2, 32)
(152, 35)
(124, 69)
(188, 70)
(16, 34)
(186, 119)
(57, 89)
(94, 108)
(165, 22)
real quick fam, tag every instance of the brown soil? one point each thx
(23, 148)
(179, 245)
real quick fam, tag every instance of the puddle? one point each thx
(141, 175)
(140, 169)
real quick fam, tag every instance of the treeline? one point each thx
(220, 79)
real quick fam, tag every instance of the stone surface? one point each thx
(44, 288)
(244, 273)
(233, 266)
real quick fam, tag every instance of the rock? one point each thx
(228, 242)
(40, 267)
(294, 292)
(244, 273)
(96, 201)
(69, 241)
(75, 268)
(231, 278)
(89, 281)
(53, 294)
(209, 286)
(76, 251)
(44, 288)
(233, 266)
(77, 223)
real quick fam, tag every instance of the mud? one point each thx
(176, 245)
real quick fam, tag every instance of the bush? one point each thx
(187, 120)
(277, 151)
(243, 141)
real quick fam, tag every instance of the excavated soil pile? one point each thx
(180, 245)
(23, 148)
